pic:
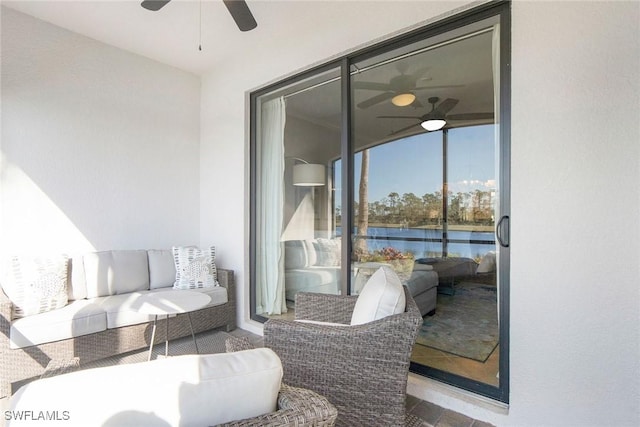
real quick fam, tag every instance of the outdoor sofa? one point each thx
(98, 322)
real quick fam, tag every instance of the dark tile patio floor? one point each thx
(431, 415)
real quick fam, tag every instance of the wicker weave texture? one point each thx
(296, 408)
(361, 369)
(23, 363)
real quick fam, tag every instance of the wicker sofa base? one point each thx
(24, 363)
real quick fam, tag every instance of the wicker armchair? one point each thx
(297, 407)
(361, 369)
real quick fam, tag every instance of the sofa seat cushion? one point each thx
(121, 309)
(218, 295)
(186, 390)
(78, 318)
(324, 280)
(421, 281)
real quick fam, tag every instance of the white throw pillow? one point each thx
(37, 284)
(195, 268)
(382, 296)
(487, 263)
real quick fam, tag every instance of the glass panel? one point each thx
(298, 137)
(425, 190)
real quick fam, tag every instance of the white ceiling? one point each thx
(170, 35)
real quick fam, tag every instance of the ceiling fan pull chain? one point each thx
(200, 31)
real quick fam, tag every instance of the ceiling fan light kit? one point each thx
(403, 99)
(433, 124)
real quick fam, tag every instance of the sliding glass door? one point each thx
(396, 156)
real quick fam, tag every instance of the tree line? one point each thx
(473, 208)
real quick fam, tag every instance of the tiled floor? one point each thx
(484, 372)
(431, 415)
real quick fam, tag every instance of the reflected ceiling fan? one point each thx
(400, 89)
(237, 8)
(437, 118)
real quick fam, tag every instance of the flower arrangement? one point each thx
(401, 262)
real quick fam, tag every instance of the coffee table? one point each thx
(165, 303)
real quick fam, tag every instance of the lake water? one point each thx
(428, 243)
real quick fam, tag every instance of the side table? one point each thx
(165, 303)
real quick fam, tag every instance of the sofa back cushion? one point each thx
(162, 268)
(382, 296)
(116, 272)
(187, 390)
(77, 288)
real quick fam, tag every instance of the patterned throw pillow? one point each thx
(36, 284)
(195, 268)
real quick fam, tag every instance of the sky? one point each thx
(414, 164)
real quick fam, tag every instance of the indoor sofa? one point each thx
(98, 319)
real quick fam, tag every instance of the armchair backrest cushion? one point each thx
(382, 296)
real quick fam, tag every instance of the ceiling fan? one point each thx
(437, 118)
(237, 8)
(400, 89)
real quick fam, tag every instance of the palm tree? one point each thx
(360, 245)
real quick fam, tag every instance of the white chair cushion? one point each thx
(162, 268)
(381, 296)
(187, 390)
(78, 318)
(116, 272)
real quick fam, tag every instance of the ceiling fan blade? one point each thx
(371, 86)
(400, 117)
(376, 100)
(241, 14)
(420, 72)
(436, 87)
(404, 129)
(471, 116)
(446, 105)
(154, 5)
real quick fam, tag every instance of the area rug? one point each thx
(465, 324)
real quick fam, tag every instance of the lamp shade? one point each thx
(433, 124)
(308, 175)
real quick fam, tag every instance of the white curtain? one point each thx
(495, 52)
(270, 298)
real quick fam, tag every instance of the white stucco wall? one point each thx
(575, 260)
(105, 155)
(99, 146)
